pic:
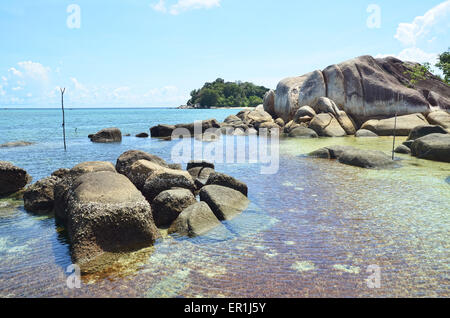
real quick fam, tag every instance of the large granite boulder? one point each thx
(141, 170)
(304, 111)
(225, 202)
(441, 118)
(91, 166)
(222, 179)
(195, 220)
(126, 160)
(106, 213)
(364, 88)
(62, 187)
(326, 125)
(421, 131)
(162, 131)
(168, 205)
(12, 178)
(288, 98)
(39, 197)
(269, 102)
(434, 147)
(200, 176)
(405, 124)
(162, 180)
(107, 135)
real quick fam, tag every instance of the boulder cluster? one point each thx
(364, 88)
(114, 209)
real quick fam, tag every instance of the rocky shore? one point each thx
(114, 209)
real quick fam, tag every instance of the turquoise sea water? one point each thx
(312, 229)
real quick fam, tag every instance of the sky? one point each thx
(152, 53)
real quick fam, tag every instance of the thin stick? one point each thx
(395, 128)
(63, 90)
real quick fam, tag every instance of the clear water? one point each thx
(311, 230)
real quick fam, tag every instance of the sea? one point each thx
(314, 227)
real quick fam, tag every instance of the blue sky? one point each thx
(153, 53)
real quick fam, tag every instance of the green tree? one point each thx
(444, 65)
(208, 97)
(418, 73)
(221, 93)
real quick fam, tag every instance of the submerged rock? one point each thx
(195, 220)
(168, 205)
(14, 144)
(225, 202)
(107, 135)
(432, 147)
(366, 159)
(12, 178)
(356, 157)
(106, 213)
(142, 135)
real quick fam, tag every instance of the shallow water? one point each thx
(312, 229)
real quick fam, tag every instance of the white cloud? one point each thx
(160, 6)
(413, 54)
(78, 85)
(409, 33)
(35, 70)
(184, 5)
(2, 92)
(121, 92)
(15, 72)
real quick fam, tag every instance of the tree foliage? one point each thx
(418, 73)
(444, 65)
(228, 94)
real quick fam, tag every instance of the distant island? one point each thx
(227, 94)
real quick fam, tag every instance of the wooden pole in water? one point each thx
(63, 90)
(395, 128)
